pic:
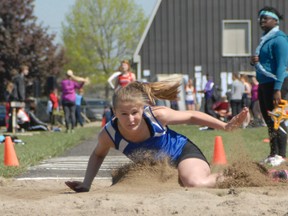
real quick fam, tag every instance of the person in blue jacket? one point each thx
(139, 125)
(270, 61)
(78, 102)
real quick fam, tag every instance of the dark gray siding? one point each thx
(186, 33)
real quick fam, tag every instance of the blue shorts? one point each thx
(189, 102)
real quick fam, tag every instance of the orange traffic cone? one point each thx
(103, 122)
(219, 157)
(10, 158)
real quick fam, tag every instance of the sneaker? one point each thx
(19, 142)
(203, 128)
(266, 160)
(274, 160)
(279, 174)
(283, 174)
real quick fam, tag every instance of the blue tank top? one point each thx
(162, 140)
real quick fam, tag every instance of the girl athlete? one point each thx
(138, 124)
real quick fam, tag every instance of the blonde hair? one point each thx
(9, 87)
(146, 93)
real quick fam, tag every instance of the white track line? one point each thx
(61, 178)
(75, 164)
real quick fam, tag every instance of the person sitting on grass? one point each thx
(140, 125)
(22, 119)
(29, 121)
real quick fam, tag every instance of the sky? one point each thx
(51, 13)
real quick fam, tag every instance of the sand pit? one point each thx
(150, 190)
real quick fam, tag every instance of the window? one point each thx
(236, 38)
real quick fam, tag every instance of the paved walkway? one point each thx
(72, 164)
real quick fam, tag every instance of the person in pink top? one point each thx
(68, 86)
(255, 107)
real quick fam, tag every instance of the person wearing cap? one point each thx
(270, 62)
(68, 86)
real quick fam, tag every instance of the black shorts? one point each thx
(190, 150)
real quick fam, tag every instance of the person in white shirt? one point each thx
(23, 119)
(112, 79)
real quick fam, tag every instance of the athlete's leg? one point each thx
(194, 172)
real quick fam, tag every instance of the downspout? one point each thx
(137, 60)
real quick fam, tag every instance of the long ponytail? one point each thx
(147, 93)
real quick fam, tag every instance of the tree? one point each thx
(101, 33)
(22, 41)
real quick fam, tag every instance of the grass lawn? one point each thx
(42, 146)
(238, 145)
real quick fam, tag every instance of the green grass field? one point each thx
(238, 145)
(42, 146)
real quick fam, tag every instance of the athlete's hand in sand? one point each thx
(77, 186)
(237, 120)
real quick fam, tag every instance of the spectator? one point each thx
(19, 91)
(112, 79)
(190, 95)
(78, 102)
(237, 90)
(23, 119)
(208, 95)
(222, 109)
(69, 85)
(255, 107)
(29, 121)
(8, 95)
(270, 61)
(209, 99)
(107, 115)
(126, 75)
(35, 123)
(54, 99)
(246, 97)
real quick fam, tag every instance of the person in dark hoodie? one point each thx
(19, 91)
